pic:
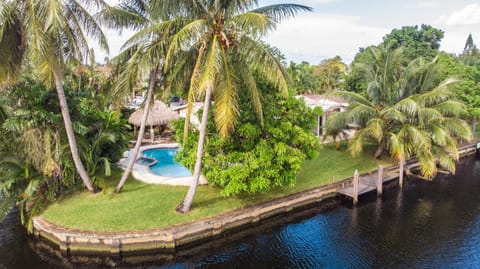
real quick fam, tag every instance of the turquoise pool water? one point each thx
(166, 166)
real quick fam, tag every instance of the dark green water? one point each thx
(426, 225)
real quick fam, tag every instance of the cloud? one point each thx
(468, 15)
(316, 36)
(427, 4)
(317, 2)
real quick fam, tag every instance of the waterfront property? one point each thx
(73, 240)
(441, 216)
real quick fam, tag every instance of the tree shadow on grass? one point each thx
(134, 188)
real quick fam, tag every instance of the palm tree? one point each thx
(154, 23)
(225, 35)
(405, 112)
(50, 33)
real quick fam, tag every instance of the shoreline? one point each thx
(169, 239)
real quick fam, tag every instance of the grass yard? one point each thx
(141, 206)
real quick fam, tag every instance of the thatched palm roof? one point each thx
(159, 114)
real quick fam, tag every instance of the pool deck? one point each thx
(142, 172)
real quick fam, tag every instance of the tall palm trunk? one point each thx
(184, 207)
(380, 148)
(141, 132)
(70, 134)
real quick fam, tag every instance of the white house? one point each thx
(182, 112)
(329, 104)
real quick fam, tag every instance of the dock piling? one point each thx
(380, 180)
(356, 181)
(400, 175)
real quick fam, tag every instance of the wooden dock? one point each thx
(368, 183)
(374, 181)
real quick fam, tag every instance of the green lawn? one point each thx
(141, 206)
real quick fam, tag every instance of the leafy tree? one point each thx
(330, 73)
(405, 111)
(354, 81)
(423, 41)
(468, 87)
(303, 78)
(50, 32)
(226, 34)
(254, 157)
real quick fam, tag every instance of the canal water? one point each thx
(426, 225)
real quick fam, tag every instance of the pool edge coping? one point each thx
(143, 174)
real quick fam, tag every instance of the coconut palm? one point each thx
(48, 33)
(405, 112)
(226, 36)
(154, 22)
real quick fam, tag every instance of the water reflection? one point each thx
(425, 225)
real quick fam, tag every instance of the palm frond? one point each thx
(352, 97)
(408, 107)
(457, 128)
(251, 86)
(12, 48)
(439, 135)
(450, 108)
(88, 23)
(213, 65)
(360, 113)
(121, 17)
(259, 58)
(393, 114)
(396, 147)
(226, 100)
(280, 12)
(374, 129)
(187, 35)
(336, 123)
(254, 24)
(439, 94)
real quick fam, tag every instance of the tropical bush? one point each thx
(35, 162)
(256, 158)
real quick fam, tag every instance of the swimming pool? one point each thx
(166, 166)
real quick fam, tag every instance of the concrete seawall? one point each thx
(169, 239)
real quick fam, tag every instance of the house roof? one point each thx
(327, 102)
(318, 97)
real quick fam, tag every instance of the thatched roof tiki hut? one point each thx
(159, 115)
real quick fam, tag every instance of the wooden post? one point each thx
(400, 176)
(355, 187)
(380, 180)
(152, 135)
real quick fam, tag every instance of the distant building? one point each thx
(182, 112)
(329, 105)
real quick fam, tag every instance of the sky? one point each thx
(341, 27)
